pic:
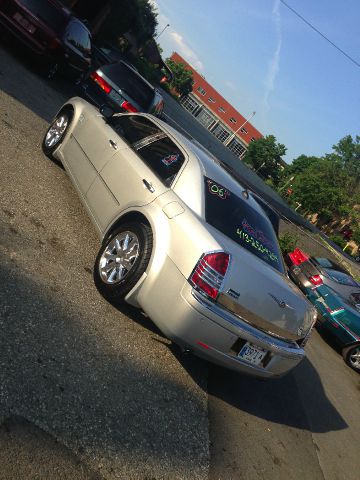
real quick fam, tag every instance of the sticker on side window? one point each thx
(170, 159)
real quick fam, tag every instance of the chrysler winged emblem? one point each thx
(281, 303)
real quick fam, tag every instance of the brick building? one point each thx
(217, 114)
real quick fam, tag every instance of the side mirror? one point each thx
(106, 111)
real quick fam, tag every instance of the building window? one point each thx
(201, 91)
(252, 139)
(189, 103)
(222, 109)
(211, 100)
(243, 130)
(220, 132)
(236, 147)
(205, 118)
(232, 120)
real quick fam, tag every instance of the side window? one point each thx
(79, 37)
(164, 158)
(133, 128)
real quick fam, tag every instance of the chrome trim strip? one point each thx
(273, 344)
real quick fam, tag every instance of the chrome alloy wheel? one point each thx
(354, 358)
(56, 131)
(119, 257)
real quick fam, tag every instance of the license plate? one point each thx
(116, 97)
(252, 354)
(29, 27)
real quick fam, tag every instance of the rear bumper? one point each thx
(281, 356)
(89, 90)
(23, 37)
(207, 330)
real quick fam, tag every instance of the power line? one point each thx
(321, 34)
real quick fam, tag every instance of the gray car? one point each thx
(317, 271)
(182, 240)
(121, 86)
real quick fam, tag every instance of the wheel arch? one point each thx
(133, 216)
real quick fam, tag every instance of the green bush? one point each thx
(288, 242)
(325, 215)
(338, 239)
(356, 235)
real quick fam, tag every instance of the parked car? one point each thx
(105, 54)
(182, 240)
(121, 87)
(315, 271)
(336, 296)
(341, 319)
(48, 29)
(109, 54)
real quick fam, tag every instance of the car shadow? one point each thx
(95, 383)
(284, 400)
(24, 79)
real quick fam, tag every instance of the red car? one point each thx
(50, 31)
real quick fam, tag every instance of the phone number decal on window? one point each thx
(246, 237)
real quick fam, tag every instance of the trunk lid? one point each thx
(262, 296)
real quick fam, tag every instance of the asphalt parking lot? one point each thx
(88, 391)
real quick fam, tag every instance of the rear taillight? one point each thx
(101, 82)
(316, 280)
(208, 275)
(54, 43)
(128, 107)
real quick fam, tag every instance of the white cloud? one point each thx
(174, 41)
(185, 51)
(274, 63)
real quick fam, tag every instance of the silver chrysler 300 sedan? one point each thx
(182, 240)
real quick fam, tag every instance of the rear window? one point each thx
(341, 277)
(48, 13)
(130, 83)
(236, 219)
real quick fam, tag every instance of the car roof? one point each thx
(326, 263)
(210, 167)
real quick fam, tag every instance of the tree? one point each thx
(145, 22)
(264, 155)
(300, 164)
(321, 186)
(347, 153)
(136, 16)
(183, 77)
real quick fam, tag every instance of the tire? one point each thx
(351, 356)
(56, 132)
(116, 275)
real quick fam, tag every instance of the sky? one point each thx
(261, 57)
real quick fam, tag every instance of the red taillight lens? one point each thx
(128, 107)
(335, 311)
(209, 273)
(54, 43)
(101, 82)
(316, 280)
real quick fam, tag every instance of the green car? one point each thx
(341, 319)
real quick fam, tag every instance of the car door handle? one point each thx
(148, 185)
(113, 144)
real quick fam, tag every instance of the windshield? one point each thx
(51, 15)
(130, 82)
(236, 219)
(340, 277)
